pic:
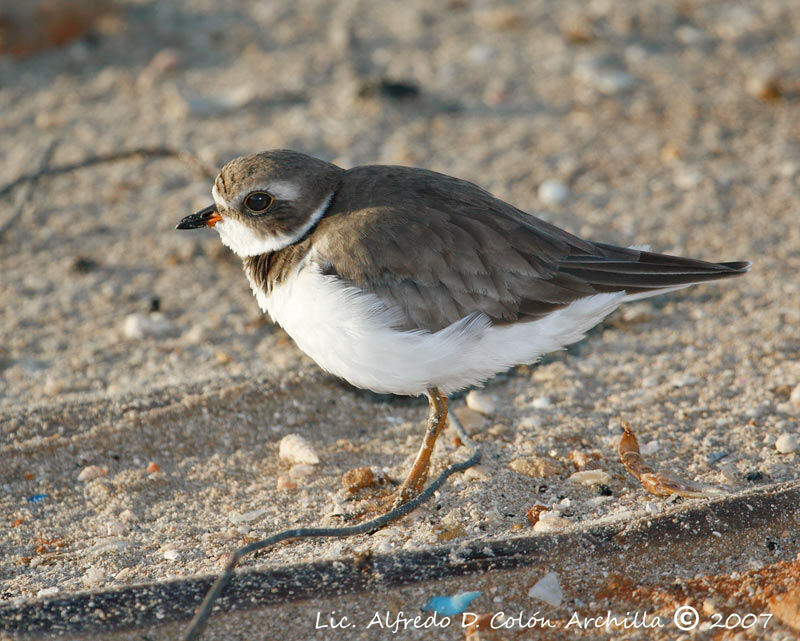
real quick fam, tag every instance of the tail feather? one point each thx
(641, 272)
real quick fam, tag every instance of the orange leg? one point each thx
(437, 417)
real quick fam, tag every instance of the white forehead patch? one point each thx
(283, 190)
(280, 190)
(244, 241)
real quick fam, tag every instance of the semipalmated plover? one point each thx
(412, 282)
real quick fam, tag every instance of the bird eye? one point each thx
(258, 201)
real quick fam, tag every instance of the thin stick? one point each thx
(143, 152)
(198, 623)
(26, 194)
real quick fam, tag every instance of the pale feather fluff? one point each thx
(349, 332)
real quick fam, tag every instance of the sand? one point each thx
(668, 123)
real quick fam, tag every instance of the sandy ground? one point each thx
(671, 123)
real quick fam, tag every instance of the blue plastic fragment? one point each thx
(37, 498)
(451, 605)
(717, 456)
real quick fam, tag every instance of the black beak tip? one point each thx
(199, 219)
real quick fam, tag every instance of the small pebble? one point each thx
(551, 521)
(472, 421)
(138, 326)
(296, 449)
(220, 103)
(47, 591)
(649, 448)
(301, 471)
(115, 528)
(127, 516)
(534, 466)
(123, 575)
(542, 402)
(603, 74)
(480, 402)
(685, 380)
(689, 35)
(786, 443)
(195, 335)
(94, 576)
(245, 517)
(755, 412)
(637, 313)
(611, 82)
(590, 477)
(91, 472)
(794, 397)
(153, 467)
(530, 422)
(765, 86)
(547, 589)
(480, 54)
(171, 554)
(786, 608)
(161, 64)
(535, 513)
(53, 386)
(581, 459)
(499, 429)
(358, 479)
(285, 483)
(717, 456)
(475, 473)
(754, 476)
(553, 192)
(107, 544)
(729, 473)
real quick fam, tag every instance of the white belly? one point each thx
(349, 333)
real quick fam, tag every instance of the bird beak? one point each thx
(207, 217)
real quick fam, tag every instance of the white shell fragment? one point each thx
(794, 397)
(94, 576)
(786, 443)
(590, 477)
(548, 589)
(300, 471)
(480, 402)
(552, 522)
(140, 326)
(245, 517)
(91, 472)
(295, 449)
(553, 192)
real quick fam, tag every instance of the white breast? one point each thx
(348, 332)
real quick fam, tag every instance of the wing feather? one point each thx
(439, 249)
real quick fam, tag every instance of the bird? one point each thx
(406, 281)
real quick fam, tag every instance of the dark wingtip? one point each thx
(739, 266)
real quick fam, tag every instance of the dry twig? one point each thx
(658, 483)
(198, 624)
(45, 170)
(28, 191)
